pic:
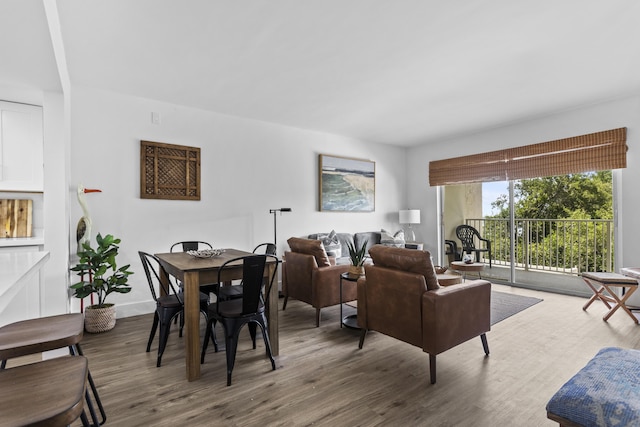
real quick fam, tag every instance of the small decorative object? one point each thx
(206, 253)
(357, 257)
(104, 277)
(439, 269)
(467, 259)
(169, 171)
(83, 229)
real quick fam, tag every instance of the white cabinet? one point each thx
(20, 285)
(21, 149)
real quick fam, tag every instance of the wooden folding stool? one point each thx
(601, 282)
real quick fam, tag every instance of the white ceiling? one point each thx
(402, 72)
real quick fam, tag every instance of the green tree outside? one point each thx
(569, 244)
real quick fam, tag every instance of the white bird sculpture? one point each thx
(83, 230)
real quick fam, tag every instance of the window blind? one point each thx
(596, 151)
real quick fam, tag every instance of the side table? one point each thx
(464, 268)
(350, 321)
(448, 279)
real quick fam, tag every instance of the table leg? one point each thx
(340, 302)
(597, 294)
(192, 324)
(620, 303)
(272, 312)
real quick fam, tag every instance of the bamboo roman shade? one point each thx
(596, 151)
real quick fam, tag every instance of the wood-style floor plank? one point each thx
(322, 378)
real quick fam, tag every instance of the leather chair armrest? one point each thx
(325, 284)
(455, 314)
(298, 268)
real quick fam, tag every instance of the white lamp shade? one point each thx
(410, 216)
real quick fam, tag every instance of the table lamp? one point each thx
(410, 217)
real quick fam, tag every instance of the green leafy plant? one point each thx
(357, 256)
(99, 267)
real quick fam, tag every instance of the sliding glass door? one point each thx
(543, 231)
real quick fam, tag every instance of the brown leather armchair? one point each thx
(310, 276)
(400, 297)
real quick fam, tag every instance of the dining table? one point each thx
(193, 271)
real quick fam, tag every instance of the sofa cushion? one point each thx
(396, 240)
(371, 237)
(310, 247)
(331, 243)
(410, 260)
(344, 238)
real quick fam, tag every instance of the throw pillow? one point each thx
(410, 260)
(396, 240)
(331, 244)
(310, 247)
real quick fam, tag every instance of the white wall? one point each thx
(248, 167)
(609, 115)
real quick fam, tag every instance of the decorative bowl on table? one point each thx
(206, 253)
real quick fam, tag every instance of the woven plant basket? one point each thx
(99, 319)
(355, 271)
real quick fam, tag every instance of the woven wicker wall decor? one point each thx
(169, 171)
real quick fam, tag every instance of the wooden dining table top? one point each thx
(185, 262)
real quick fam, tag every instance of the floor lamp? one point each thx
(275, 232)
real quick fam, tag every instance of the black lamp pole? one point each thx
(275, 233)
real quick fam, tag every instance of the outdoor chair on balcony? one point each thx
(472, 242)
(451, 251)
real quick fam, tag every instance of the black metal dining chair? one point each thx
(190, 245)
(235, 291)
(169, 303)
(248, 310)
(265, 248)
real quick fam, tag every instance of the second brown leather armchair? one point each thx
(309, 276)
(400, 297)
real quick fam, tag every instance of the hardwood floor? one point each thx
(323, 379)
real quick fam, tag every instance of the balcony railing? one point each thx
(560, 245)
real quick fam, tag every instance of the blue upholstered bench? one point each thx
(606, 392)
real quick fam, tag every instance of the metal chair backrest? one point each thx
(151, 265)
(269, 249)
(190, 245)
(252, 280)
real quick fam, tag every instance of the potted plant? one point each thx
(104, 277)
(357, 256)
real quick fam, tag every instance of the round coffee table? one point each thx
(464, 268)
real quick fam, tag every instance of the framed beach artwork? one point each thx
(346, 184)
